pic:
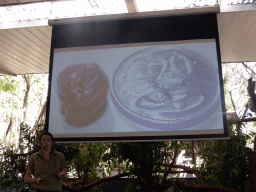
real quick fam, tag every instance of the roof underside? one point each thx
(26, 50)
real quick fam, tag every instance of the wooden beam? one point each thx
(131, 6)
(4, 72)
(248, 119)
(23, 24)
(237, 8)
(174, 12)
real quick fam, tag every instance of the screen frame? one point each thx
(180, 22)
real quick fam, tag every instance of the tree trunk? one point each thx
(25, 102)
(41, 116)
(9, 126)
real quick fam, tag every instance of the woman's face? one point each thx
(46, 142)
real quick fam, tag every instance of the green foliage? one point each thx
(225, 162)
(30, 140)
(13, 162)
(35, 78)
(235, 79)
(82, 157)
(9, 85)
(9, 90)
(143, 160)
(79, 156)
(13, 97)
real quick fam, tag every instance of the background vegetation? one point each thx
(149, 165)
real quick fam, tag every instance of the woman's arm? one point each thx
(28, 178)
(63, 174)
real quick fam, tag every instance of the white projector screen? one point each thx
(136, 91)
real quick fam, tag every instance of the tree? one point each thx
(237, 98)
(13, 163)
(9, 90)
(21, 95)
(226, 162)
(147, 164)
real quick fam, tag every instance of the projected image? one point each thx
(136, 89)
(82, 89)
(166, 88)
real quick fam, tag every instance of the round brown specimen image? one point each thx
(82, 89)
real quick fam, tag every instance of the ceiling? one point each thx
(18, 2)
(26, 50)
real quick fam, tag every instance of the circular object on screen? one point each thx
(166, 89)
(82, 89)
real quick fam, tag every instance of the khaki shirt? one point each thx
(47, 169)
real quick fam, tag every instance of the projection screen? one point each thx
(136, 79)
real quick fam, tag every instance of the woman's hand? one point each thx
(63, 175)
(40, 181)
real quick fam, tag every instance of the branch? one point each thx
(245, 111)
(9, 127)
(248, 68)
(23, 154)
(238, 125)
(204, 187)
(69, 186)
(163, 185)
(172, 163)
(186, 169)
(232, 101)
(248, 119)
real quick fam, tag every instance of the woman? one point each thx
(47, 165)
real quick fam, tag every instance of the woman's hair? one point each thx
(45, 133)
